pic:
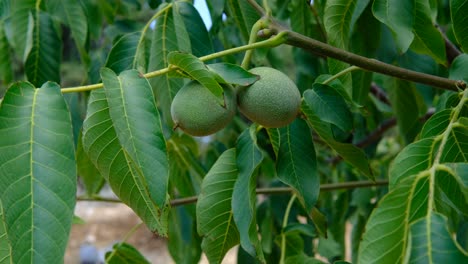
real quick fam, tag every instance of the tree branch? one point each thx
(257, 7)
(377, 134)
(450, 49)
(320, 48)
(379, 94)
(269, 191)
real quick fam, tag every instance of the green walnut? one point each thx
(196, 111)
(272, 101)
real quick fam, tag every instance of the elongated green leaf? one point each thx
(398, 16)
(365, 43)
(249, 157)
(460, 171)
(244, 16)
(138, 127)
(5, 249)
(432, 242)
(330, 106)
(88, 173)
(458, 68)
(348, 152)
(436, 124)
(169, 35)
(274, 135)
(233, 74)
(71, 13)
(43, 62)
(102, 145)
(199, 38)
(304, 259)
(301, 17)
(214, 214)
(184, 244)
(423, 180)
(420, 153)
(297, 164)
(186, 173)
(123, 52)
(20, 27)
(196, 69)
(38, 172)
(387, 229)
(405, 100)
(451, 191)
(361, 6)
(427, 39)
(337, 19)
(458, 9)
(125, 253)
(6, 72)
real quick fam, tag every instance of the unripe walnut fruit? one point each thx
(196, 111)
(272, 101)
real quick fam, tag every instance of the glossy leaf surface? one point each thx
(38, 172)
(215, 220)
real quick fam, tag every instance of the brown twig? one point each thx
(450, 49)
(269, 191)
(317, 47)
(379, 94)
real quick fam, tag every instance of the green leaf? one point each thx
(451, 191)
(330, 106)
(337, 19)
(103, 148)
(169, 35)
(274, 135)
(215, 220)
(386, 236)
(6, 71)
(359, 10)
(303, 259)
(350, 153)
(297, 165)
(436, 124)
(423, 180)
(459, 9)
(405, 100)
(398, 16)
(249, 157)
(184, 244)
(43, 62)
(88, 173)
(5, 249)
(244, 16)
(413, 159)
(122, 54)
(458, 68)
(199, 38)
(460, 170)
(432, 242)
(427, 39)
(196, 69)
(365, 43)
(301, 17)
(123, 253)
(71, 13)
(20, 27)
(138, 127)
(233, 74)
(185, 171)
(38, 172)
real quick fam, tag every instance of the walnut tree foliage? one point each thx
(374, 169)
